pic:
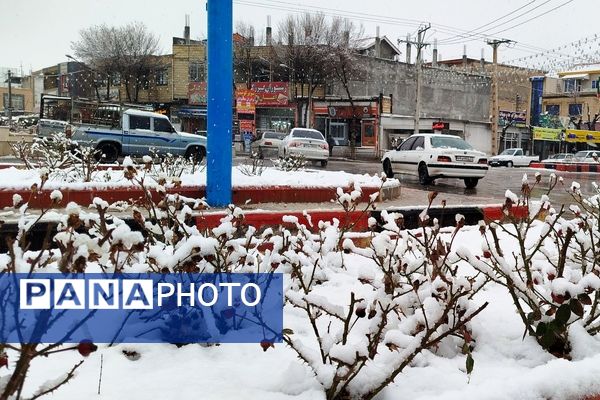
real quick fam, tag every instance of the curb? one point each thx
(269, 194)
(357, 221)
(567, 167)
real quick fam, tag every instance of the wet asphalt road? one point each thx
(492, 187)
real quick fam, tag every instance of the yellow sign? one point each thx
(546, 134)
(575, 135)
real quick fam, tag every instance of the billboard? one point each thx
(271, 93)
(197, 93)
(245, 101)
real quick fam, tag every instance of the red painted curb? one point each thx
(495, 213)
(271, 194)
(261, 219)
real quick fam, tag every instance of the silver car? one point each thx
(268, 143)
(305, 142)
(586, 156)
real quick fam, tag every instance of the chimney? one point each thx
(186, 30)
(435, 53)
(408, 48)
(464, 58)
(377, 43)
(482, 61)
(269, 31)
(251, 38)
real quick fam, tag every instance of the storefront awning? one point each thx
(576, 76)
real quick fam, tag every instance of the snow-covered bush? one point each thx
(290, 162)
(548, 262)
(366, 313)
(255, 169)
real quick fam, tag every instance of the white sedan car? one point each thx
(431, 156)
(268, 143)
(305, 142)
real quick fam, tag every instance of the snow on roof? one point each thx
(141, 113)
(367, 43)
(579, 69)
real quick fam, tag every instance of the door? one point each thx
(339, 132)
(368, 134)
(138, 135)
(400, 157)
(166, 137)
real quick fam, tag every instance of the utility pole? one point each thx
(9, 98)
(494, 108)
(419, 45)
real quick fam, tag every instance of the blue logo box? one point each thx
(141, 308)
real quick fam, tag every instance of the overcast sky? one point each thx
(38, 33)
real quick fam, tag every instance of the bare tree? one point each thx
(242, 55)
(130, 51)
(343, 37)
(304, 54)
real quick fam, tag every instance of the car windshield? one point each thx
(449, 142)
(273, 135)
(306, 133)
(508, 152)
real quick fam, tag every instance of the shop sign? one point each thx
(549, 134)
(440, 125)
(517, 118)
(386, 105)
(245, 101)
(271, 93)
(582, 136)
(197, 93)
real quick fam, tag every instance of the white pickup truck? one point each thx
(512, 158)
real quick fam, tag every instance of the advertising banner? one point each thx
(271, 93)
(245, 101)
(582, 136)
(197, 93)
(141, 308)
(549, 134)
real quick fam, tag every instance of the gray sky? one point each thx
(38, 33)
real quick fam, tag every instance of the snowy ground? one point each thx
(12, 178)
(506, 365)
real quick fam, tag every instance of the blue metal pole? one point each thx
(219, 102)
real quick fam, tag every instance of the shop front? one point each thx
(342, 122)
(547, 141)
(577, 140)
(274, 111)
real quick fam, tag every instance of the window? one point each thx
(553, 109)
(162, 77)
(162, 125)
(407, 144)
(307, 133)
(419, 143)
(574, 110)
(519, 152)
(116, 79)
(197, 72)
(139, 122)
(449, 142)
(572, 85)
(18, 101)
(144, 82)
(594, 84)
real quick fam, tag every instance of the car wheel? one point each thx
(387, 168)
(424, 178)
(109, 152)
(470, 183)
(323, 163)
(195, 153)
(509, 164)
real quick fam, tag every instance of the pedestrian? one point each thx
(331, 143)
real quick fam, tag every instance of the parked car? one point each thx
(432, 156)
(268, 142)
(512, 158)
(309, 143)
(587, 156)
(559, 158)
(138, 132)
